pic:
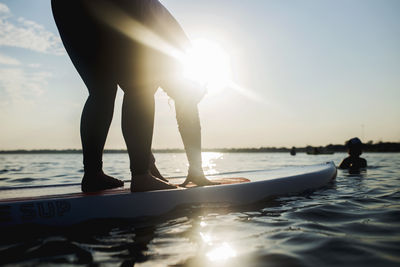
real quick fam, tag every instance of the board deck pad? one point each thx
(222, 181)
(119, 190)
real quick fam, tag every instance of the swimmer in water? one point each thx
(353, 161)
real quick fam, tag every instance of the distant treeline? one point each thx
(368, 147)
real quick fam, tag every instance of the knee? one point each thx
(139, 92)
(105, 100)
(184, 91)
(103, 92)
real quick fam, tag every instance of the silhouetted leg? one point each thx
(137, 128)
(84, 40)
(189, 127)
(188, 119)
(154, 170)
(95, 123)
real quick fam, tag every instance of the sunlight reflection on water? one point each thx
(209, 162)
(353, 222)
(221, 253)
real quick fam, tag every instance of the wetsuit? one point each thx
(352, 162)
(105, 57)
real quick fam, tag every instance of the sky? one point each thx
(311, 72)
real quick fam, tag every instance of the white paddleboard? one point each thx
(65, 205)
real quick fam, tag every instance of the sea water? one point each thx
(355, 221)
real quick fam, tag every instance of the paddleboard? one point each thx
(61, 205)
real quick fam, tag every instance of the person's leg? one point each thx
(137, 128)
(187, 116)
(154, 170)
(83, 39)
(95, 123)
(186, 96)
(188, 120)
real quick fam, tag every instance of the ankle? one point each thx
(93, 172)
(141, 175)
(92, 175)
(195, 171)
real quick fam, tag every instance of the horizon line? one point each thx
(380, 146)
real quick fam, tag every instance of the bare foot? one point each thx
(147, 182)
(199, 179)
(99, 181)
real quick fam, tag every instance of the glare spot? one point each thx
(203, 224)
(208, 64)
(206, 238)
(221, 253)
(209, 165)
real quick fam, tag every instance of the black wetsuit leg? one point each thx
(105, 58)
(137, 128)
(95, 123)
(86, 42)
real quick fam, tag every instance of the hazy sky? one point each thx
(322, 72)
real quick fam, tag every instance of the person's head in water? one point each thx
(354, 147)
(353, 162)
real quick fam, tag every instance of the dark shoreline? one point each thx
(369, 147)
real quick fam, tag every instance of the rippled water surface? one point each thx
(352, 222)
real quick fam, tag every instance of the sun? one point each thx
(208, 64)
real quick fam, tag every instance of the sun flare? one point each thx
(208, 64)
